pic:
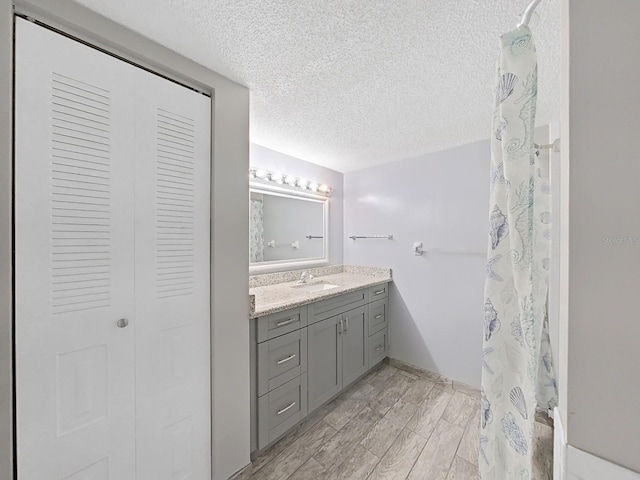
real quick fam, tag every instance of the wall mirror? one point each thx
(287, 229)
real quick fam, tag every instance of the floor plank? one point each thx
(390, 386)
(345, 411)
(339, 447)
(429, 412)
(381, 436)
(399, 459)
(357, 466)
(296, 454)
(543, 452)
(381, 376)
(437, 455)
(468, 449)
(463, 470)
(401, 412)
(417, 392)
(310, 470)
(460, 409)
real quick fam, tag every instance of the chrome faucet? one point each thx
(304, 277)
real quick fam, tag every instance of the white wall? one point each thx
(271, 160)
(600, 149)
(230, 225)
(437, 305)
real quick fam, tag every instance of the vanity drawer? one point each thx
(378, 292)
(281, 359)
(378, 347)
(378, 315)
(281, 409)
(276, 324)
(337, 305)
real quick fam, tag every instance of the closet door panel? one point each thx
(172, 281)
(74, 260)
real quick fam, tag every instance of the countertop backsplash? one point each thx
(292, 275)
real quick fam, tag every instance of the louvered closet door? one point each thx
(112, 222)
(74, 260)
(172, 281)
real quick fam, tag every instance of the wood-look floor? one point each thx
(392, 424)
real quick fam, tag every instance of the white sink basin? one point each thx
(314, 287)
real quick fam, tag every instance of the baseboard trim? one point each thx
(571, 463)
(447, 384)
(242, 474)
(441, 382)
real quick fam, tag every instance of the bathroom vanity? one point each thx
(311, 340)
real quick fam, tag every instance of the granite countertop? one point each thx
(275, 297)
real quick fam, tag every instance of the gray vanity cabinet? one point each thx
(303, 357)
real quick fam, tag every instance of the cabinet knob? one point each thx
(123, 322)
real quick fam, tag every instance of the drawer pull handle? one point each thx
(286, 322)
(378, 316)
(288, 407)
(379, 292)
(378, 348)
(341, 327)
(284, 360)
(346, 324)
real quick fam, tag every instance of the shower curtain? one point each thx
(256, 231)
(517, 371)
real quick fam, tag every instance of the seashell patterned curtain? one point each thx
(256, 231)
(517, 371)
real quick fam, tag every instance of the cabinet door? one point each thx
(74, 232)
(172, 162)
(354, 347)
(325, 360)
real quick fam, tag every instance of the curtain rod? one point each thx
(526, 16)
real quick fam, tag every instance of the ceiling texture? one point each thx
(349, 84)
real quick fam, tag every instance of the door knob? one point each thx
(123, 322)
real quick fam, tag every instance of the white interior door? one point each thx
(112, 222)
(74, 260)
(172, 281)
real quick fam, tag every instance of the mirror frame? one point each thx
(282, 265)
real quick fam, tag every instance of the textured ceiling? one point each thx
(353, 83)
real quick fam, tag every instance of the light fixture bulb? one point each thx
(302, 183)
(313, 186)
(261, 174)
(290, 180)
(276, 177)
(324, 188)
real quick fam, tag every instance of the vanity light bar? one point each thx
(289, 180)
